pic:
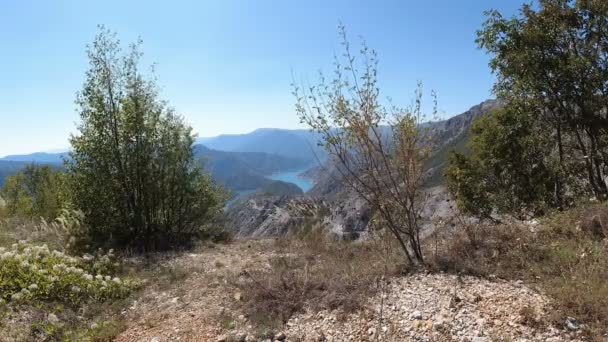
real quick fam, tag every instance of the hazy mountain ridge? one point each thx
(296, 143)
(38, 157)
(243, 161)
(235, 170)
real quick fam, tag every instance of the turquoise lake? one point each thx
(292, 177)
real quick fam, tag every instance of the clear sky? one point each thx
(226, 65)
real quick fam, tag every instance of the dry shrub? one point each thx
(557, 255)
(314, 272)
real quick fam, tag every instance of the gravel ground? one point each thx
(203, 306)
(438, 307)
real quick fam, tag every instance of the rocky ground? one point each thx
(200, 304)
(441, 307)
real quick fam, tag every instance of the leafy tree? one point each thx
(551, 62)
(379, 151)
(549, 144)
(507, 168)
(132, 168)
(35, 192)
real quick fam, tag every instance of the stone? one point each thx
(416, 315)
(596, 224)
(240, 337)
(155, 339)
(280, 336)
(221, 338)
(572, 324)
(371, 331)
(439, 325)
(480, 339)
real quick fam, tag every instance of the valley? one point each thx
(262, 184)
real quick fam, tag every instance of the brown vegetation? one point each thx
(556, 255)
(313, 272)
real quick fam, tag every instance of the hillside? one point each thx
(453, 134)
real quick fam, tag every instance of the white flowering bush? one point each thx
(34, 273)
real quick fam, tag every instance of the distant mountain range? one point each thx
(38, 157)
(244, 162)
(238, 171)
(293, 143)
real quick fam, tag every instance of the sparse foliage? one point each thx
(379, 149)
(132, 168)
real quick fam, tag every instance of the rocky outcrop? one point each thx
(343, 215)
(269, 215)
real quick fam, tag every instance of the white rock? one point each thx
(416, 315)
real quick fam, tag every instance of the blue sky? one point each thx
(226, 65)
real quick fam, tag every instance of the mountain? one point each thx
(297, 143)
(238, 171)
(453, 134)
(38, 157)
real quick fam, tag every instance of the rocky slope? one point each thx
(343, 215)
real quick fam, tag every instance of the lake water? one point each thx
(292, 177)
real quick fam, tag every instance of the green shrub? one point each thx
(33, 274)
(138, 184)
(509, 169)
(34, 192)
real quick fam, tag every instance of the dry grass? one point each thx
(37, 231)
(312, 272)
(558, 256)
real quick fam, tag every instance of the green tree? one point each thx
(35, 192)
(133, 173)
(551, 63)
(508, 168)
(549, 144)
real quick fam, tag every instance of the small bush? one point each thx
(30, 273)
(313, 272)
(47, 295)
